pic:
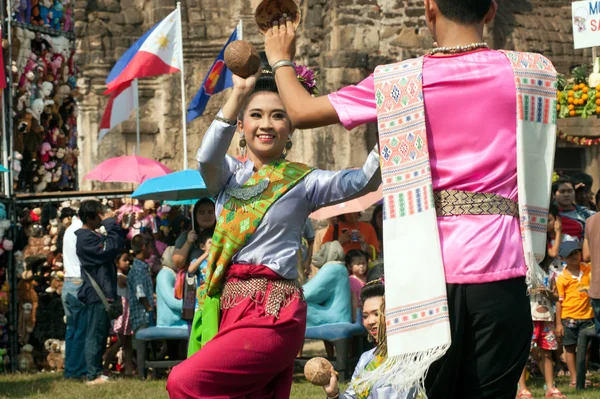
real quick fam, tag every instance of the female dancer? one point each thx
(253, 316)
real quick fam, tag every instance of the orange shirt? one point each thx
(365, 228)
(573, 293)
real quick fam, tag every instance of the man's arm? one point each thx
(561, 296)
(102, 248)
(144, 301)
(304, 110)
(586, 250)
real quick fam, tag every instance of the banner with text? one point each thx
(586, 23)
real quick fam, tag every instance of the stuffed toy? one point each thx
(22, 11)
(163, 214)
(26, 288)
(3, 330)
(46, 152)
(6, 245)
(68, 20)
(60, 153)
(35, 13)
(26, 322)
(4, 298)
(16, 164)
(43, 184)
(45, 13)
(19, 262)
(24, 37)
(46, 90)
(3, 358)
(57, 15)
(57, 283)
(25, 359)
(36, 214)
(55, 358)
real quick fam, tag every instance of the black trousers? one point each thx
(491, 337)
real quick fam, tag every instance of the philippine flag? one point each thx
(217, 80)
(119, 107)
(158, 52)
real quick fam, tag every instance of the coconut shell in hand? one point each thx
(318, 371)
(242, 59)
(273, 10)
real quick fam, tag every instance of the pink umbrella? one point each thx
(356, 205)
(127, 169)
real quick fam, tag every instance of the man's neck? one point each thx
(85, 226)
(140, 257)
(452, 34)
(566, 208)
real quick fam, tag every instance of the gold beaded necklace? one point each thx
(459, 49)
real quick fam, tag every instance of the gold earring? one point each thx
(243, 145)
(288, 147)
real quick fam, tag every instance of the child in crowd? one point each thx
(195, 276)
(122, 326)
(573, 310)
(140, 289)
(356, 262)
(544, 332)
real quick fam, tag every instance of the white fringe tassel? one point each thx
(402, 372)
(534, 277)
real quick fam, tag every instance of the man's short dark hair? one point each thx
(466, 12)
(138, 242)
(584, 178)
(89, 210)
(560, 182)
(205, 235)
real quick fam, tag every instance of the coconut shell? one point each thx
(242, 59)
(318, 371)
(271, 10)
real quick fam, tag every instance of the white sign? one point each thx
(586, 23)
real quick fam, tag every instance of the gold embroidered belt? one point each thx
(275, 294)
(456, 202)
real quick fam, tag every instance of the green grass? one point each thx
(50, 385)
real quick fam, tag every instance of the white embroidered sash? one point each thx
(417, 321)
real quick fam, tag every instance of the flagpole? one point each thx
(183, 101)
(240, 30)
(136, 105)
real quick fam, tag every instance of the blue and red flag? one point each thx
(217, 80)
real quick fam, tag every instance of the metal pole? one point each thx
(183, 101)
(136, 104)
(13, 317)
(8, 106)
(5, 142)
(240, 30)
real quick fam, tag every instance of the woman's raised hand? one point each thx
(244, 86)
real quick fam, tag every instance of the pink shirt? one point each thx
(356, 286)
(470, 112)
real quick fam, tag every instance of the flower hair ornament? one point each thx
(306, 77)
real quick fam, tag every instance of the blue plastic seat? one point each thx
(143, 337)
(340, 335)
(154, 333)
